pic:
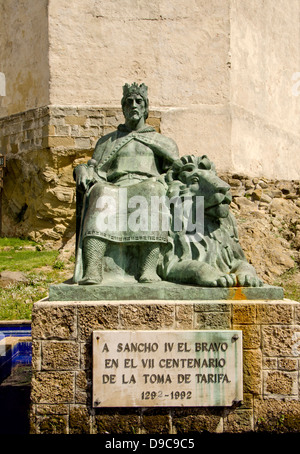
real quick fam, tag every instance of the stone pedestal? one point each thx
(62, 365)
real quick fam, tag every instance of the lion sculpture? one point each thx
(213, 257)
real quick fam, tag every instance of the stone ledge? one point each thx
(160, 291)
(61, 393)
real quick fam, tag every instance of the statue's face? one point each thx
(202, 182)
(134, 107)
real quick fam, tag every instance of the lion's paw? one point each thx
(247, 280)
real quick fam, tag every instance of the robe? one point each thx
(121, 176)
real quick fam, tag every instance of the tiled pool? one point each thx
(15, 346)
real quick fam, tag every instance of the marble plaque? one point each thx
(167, 368)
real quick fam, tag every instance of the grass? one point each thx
(291, 286)
(41, 268)
(20, 260)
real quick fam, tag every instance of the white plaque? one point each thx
(167, 368)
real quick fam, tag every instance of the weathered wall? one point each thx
(24, 55)
(61, 390)
(265, 53)
(220, 83)
(174, 47)
(179, 49)
(221, 72)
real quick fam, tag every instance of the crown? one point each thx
(135, 89)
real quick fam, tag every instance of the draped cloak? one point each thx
(113, 180)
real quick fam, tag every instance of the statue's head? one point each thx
(197, 176)
(137, 94)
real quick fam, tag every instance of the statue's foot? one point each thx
(227, 280)
(247, 280)
(149, 277)
(216, 279)
(87, 280)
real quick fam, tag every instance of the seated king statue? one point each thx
(128, 163)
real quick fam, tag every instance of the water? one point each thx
(15, 377)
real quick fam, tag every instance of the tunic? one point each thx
(124, 204)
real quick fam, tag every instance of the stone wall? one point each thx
(24, 56)
(268, 218)
(220, 72)
(42, 147)
(265, 52)
(62, 368)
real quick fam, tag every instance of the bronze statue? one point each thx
(117, 228)
(133, 157)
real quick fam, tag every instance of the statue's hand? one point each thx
(84, 176)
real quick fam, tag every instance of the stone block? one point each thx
(79, 420)
(62, 130)
(83, 143)
(239, 421)
(54, 322)
(213, 320)
(276, 415)
(251, 335)
(288, 364)
(155, 421)
(280, 340)
(147, 316)
(196, 421)
(16, 127)
(60, 355)
(280, 383)
(123, 422)
(96, 316)
(55, 424)
(59, 141)
(270, 363)
(83, 385)
(244, 313)
(52, 387)
(252, 374)
(274, 313)
(75, 120)
(184, 316)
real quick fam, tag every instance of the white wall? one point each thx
(219, 71)
(24, 55)
(265, 47)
